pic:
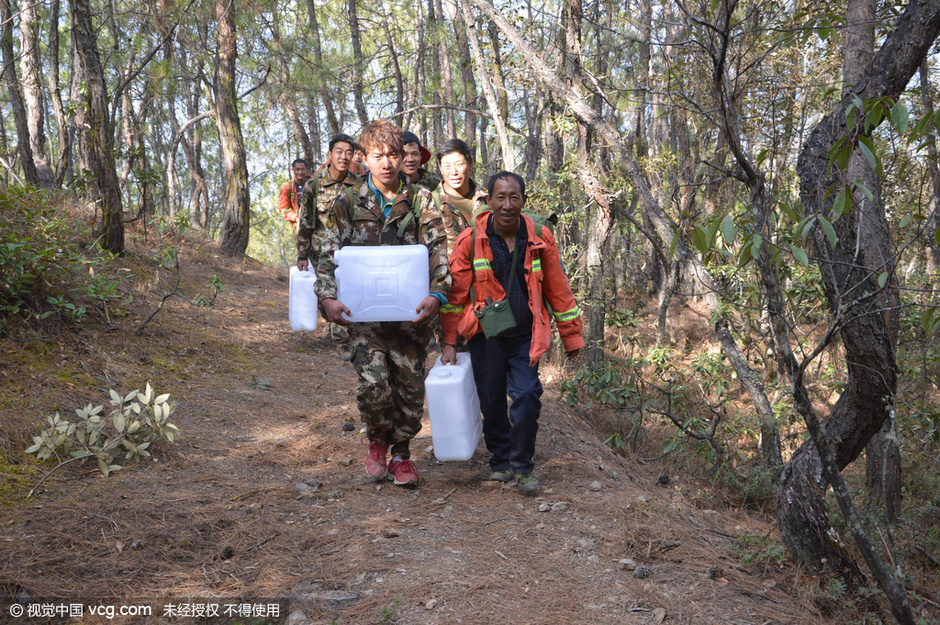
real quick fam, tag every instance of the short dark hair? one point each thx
(505, 175)
(454, 145)
(343, 138)
(298, 160)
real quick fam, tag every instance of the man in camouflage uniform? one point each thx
(389, 357)
(457, 197)
(413, 157)
(318, 194)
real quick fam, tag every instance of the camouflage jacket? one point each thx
(364, 224)
(427, 180)
(315, 203)
(453, 220)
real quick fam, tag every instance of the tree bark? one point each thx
(601, 225)
(318, 58)
(508, 162)
(927, 101)
(12, 84)
(420, 83)
(55, 93)
(775, 302)
(288, 96)
(99, 134)
(447, 78)
(850, 273)
(396, 67)
(358, 63)
(30, 71)
(437, 126)
(466, 72)
(235, 227)
(882, 454)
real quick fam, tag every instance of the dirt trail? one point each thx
(261, 407)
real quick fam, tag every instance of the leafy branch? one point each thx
(138, 421)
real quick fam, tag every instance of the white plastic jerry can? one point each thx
(382, 283)
(454, 409)
(303, 300)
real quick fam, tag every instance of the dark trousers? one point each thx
(501, 367)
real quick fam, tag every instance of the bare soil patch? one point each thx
(219, 518)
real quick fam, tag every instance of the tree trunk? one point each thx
(419, 80)
(931, 163)
(883, 470)
(865, 314)
(318, 58)
(30, 71)
(656, 273)
(200, 195)
(601, 225)
(288, 96)
(436, 68)
(396, 67)
(534, 117)
(55, 92)
(447, 79)
(570, 34)
(466, 72)
(863, 251)
(99, 134)
(882, 455)
(234, 231)
(358, 63)
(12, 84)
(508, 162)
(754, 179)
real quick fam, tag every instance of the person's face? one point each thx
(455, 170)
(341, 156)
(383, 162)
(411, 159)
(300, 172)
(507, 202)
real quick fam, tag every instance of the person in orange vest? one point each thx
(504, 257)
(289, 199)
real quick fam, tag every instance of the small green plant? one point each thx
(616, 441)
(208, 302)
(259, 383)
(137, 421)
(388, 611)
(66, 308)
(608, 384)
(752, 549)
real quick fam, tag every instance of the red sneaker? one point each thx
(404, 471)
(376, 458)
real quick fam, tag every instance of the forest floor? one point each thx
(219, 518)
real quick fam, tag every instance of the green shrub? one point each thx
(47, 266)
(138, 421)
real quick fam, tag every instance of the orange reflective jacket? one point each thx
(545, 279)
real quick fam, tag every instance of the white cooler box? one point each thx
(382, 283)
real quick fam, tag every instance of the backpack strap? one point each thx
(316, 185)
(415, 212)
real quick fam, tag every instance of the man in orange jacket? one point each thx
(289, 198)
(482, 264)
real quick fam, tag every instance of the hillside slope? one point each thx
(220, 516)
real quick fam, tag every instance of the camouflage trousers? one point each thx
(389, 358)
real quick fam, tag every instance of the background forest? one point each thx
(773, 163)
